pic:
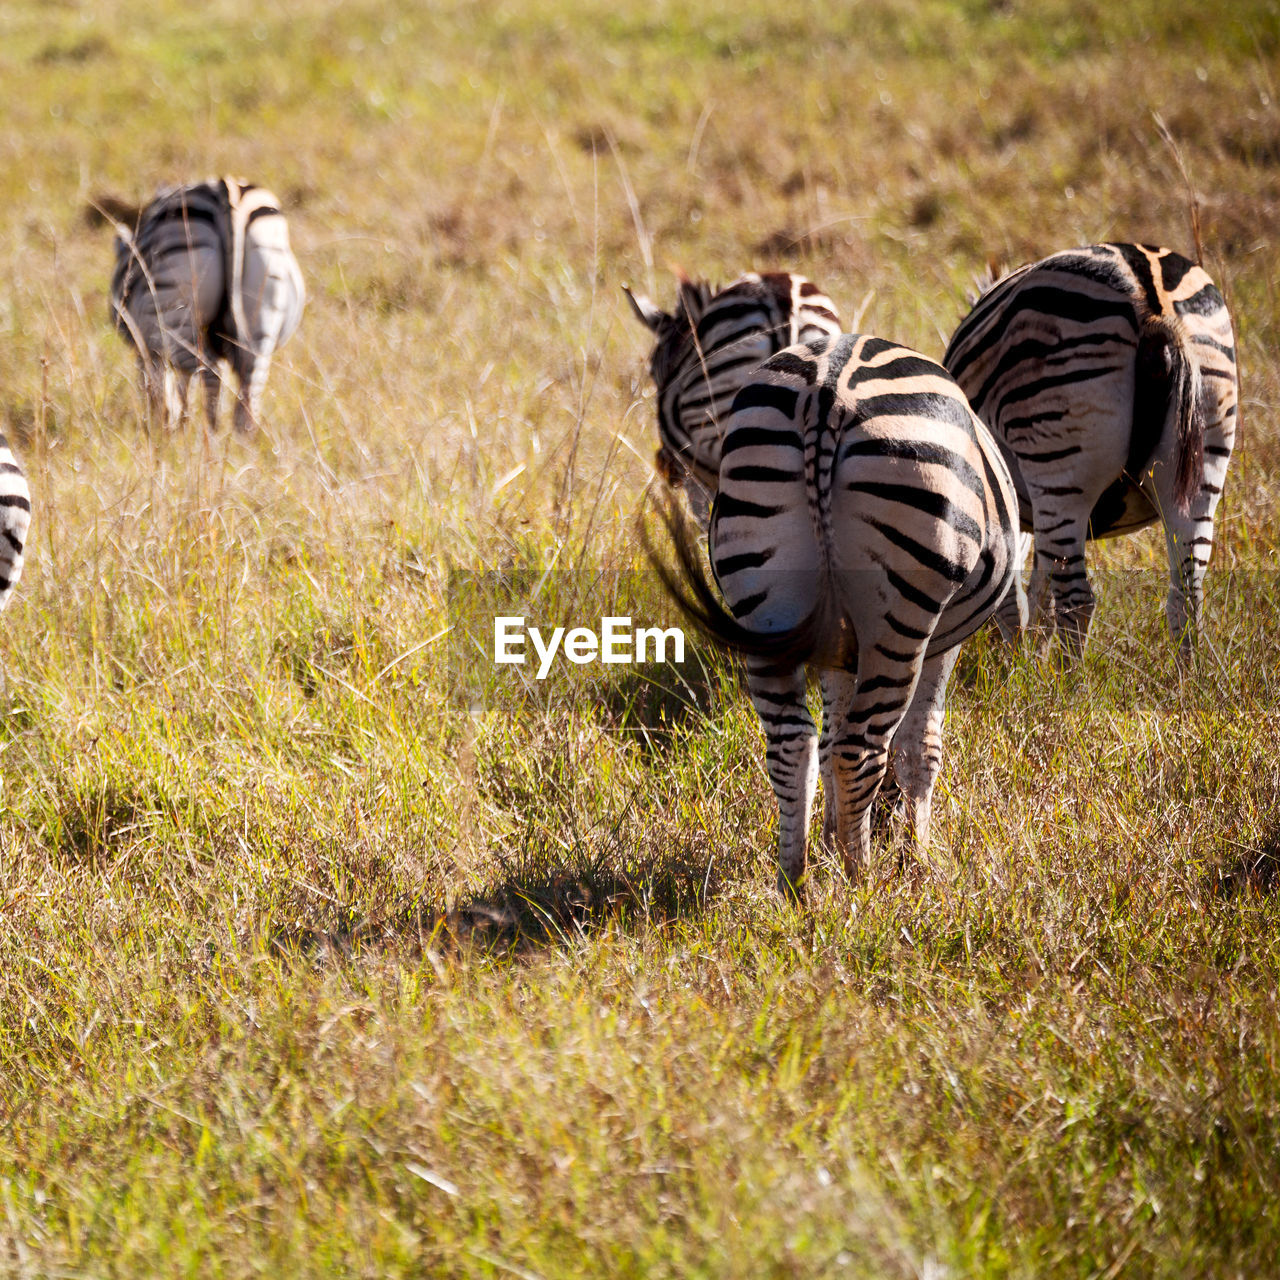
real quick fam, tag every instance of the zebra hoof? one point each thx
(791, 890)
(854, 870)
(914, 870)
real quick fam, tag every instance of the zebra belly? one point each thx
(1123, 508)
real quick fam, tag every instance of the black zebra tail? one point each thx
(698, 596)
(1168, 378)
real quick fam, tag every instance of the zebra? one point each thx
(15, 520)
(206, 275)
(1108, 375)
(864, 523)
(707, 350)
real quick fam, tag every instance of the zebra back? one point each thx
(707, 350)
(1135, 332)
(15, 520)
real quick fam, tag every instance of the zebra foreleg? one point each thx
(791, 757)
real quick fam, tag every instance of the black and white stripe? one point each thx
(15, 520)
(207, 275)
(1108, 375)
(708, 349)
(866, 524)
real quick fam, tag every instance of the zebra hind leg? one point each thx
(1188, 558)
(212, 381)
(252, 367)
(918, 746)
(791, 758)
(1012, 615)
(177, 386)
(824, 760)
(1189, 542)
(154, 388)
(865, 710)
(834, 686)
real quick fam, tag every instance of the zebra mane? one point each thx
(982, 282)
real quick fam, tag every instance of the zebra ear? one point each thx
(651, 316)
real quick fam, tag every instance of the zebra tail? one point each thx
(1168, 378)
(699, 597)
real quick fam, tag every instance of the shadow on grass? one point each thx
(88, 823)
(543, 898)
(1253, 869)
(647, 703)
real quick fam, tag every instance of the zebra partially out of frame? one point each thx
(864, 524)
(1108, 375)
(707, 350)
(15, 520)
(206, 275)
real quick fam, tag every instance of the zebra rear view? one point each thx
(207, 275)
(864, 524)
(1108, 375)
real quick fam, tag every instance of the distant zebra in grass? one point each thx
(707, 350)
(15, 520)
(1108, 375)
(866, 524)
(206, 275)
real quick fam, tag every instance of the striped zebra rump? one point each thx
(865, 524)
(707, 349)
(168, 289)
(207, 275)
(1108, 375)
(15, 520)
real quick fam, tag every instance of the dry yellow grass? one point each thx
(321, 951)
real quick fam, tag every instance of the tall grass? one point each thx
(326, 948)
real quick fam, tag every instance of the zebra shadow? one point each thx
(542, 898)
(647, 704)
(1251, 871)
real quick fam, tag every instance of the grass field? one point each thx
(326, 950)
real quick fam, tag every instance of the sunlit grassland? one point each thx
(326, 948)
